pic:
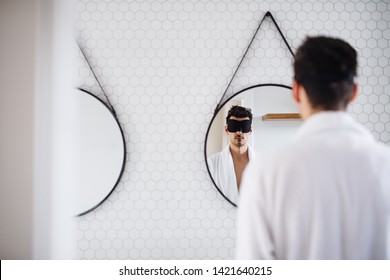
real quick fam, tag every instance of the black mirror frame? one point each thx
(124, 153)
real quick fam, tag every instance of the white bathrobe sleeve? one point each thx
(222, 171)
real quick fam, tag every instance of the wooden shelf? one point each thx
(281, 116)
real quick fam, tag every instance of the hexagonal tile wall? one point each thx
(164, 66)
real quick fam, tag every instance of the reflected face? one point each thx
(238, 138)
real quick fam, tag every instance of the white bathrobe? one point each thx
(325, 195)
(222, 170)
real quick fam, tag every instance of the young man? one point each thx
(326, 194)
(227, 166)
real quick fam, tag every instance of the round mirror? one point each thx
(100, 152)
(275, 118)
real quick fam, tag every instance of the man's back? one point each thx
(324, 196)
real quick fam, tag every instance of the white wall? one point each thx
(165, 65)
(18, 30)
(55, 129)
(34, 223)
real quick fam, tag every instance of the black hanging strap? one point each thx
(281, 34)
(97, 80)
(247, 49)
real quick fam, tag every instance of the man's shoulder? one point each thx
(381, 151)
(216, 156)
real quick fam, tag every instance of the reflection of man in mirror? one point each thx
(227, 166)
(326, 194)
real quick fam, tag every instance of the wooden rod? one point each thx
(281, 116)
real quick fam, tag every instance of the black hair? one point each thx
(239, 112)
(326, 67)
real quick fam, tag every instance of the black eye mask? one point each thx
(243, 126)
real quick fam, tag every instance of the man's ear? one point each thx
(226, 129)
(296, 89)
(354, 94)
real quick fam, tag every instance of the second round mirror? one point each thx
(100, 152)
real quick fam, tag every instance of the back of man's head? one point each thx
(326, 68)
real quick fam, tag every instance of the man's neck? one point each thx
(313, 112)
(239, 151)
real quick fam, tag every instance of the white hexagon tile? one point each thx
(164, 66)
